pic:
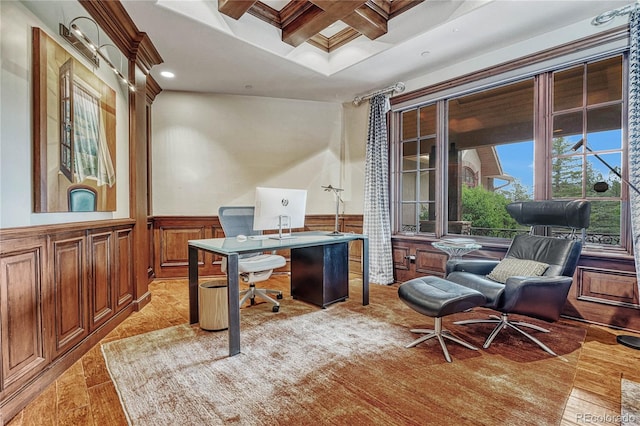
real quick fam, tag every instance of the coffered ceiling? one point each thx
(326, 24)
(333, 50)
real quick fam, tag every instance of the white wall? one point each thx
(16, 152)
(211, 150)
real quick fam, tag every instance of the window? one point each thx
(490, 133)
(84, 152)
(469, 177)
(417, 169)
(66, 112)
(587, 143)
(554, 135)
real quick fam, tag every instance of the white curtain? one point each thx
(377, 223)
(91, 152)
(634, 131)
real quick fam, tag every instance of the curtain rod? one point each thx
(605, 17)
(398, 87)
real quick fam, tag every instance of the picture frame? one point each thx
(74, 132)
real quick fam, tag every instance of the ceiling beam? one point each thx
(367, 21)
(234, 8)
(338, 9)
(316, 18)
(304, 20)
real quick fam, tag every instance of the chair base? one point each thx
(439, 334)
(503, 322)
(252, 292)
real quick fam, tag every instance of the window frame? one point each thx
(543, 112)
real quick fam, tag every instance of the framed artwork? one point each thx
(74, 132)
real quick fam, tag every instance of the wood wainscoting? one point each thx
(604, 290)
(172, 233)
(62, 289)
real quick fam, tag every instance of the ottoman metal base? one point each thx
(439, 333)
(436, 298)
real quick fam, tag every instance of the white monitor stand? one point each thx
(284, 223)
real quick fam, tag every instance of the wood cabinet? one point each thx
(22, 340)
(415, 259)
(110, 280)
(62, 288)
(70, 295)
(123, 273)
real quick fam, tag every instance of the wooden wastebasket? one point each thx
(214, 308)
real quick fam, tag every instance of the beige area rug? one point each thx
(630, 403)
(342, 365)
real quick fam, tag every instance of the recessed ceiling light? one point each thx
(167, 74)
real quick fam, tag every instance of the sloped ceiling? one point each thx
(209, 51)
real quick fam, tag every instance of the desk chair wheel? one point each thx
(275, 308)
(279, 296)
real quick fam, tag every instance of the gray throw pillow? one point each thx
(512, 267)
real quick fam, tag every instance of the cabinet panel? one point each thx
(124, 269)
(150, 271)
(612, 286)
(101, 302)
(412, 260)
(70, 295)
(23, 353)
(171, 236)
(174, 249)
(429, 262)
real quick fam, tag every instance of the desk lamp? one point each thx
(336, 192)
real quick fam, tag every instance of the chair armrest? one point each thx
(540, 297)
(473, 266)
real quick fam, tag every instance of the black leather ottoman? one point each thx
(436, 297)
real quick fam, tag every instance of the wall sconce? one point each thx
(90, 50)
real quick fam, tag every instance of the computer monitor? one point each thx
(279, 208)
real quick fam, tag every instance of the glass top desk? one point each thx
(231, 248)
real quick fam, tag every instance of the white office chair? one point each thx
(253, 267)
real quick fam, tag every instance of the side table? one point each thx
(456, 247)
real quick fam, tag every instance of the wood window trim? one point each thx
(609, 36)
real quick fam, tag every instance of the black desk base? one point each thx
(320, 274)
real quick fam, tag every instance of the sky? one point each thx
(517, 158)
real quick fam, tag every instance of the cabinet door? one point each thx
(124, 268)
(417, 259)
(21, 311)
(70, 292)
(100, 282)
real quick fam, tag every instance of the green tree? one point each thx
(516, 191)
(486, 209)
(566, 171)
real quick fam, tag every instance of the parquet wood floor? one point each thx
(85, 395)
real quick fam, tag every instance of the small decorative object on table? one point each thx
(456, 247)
